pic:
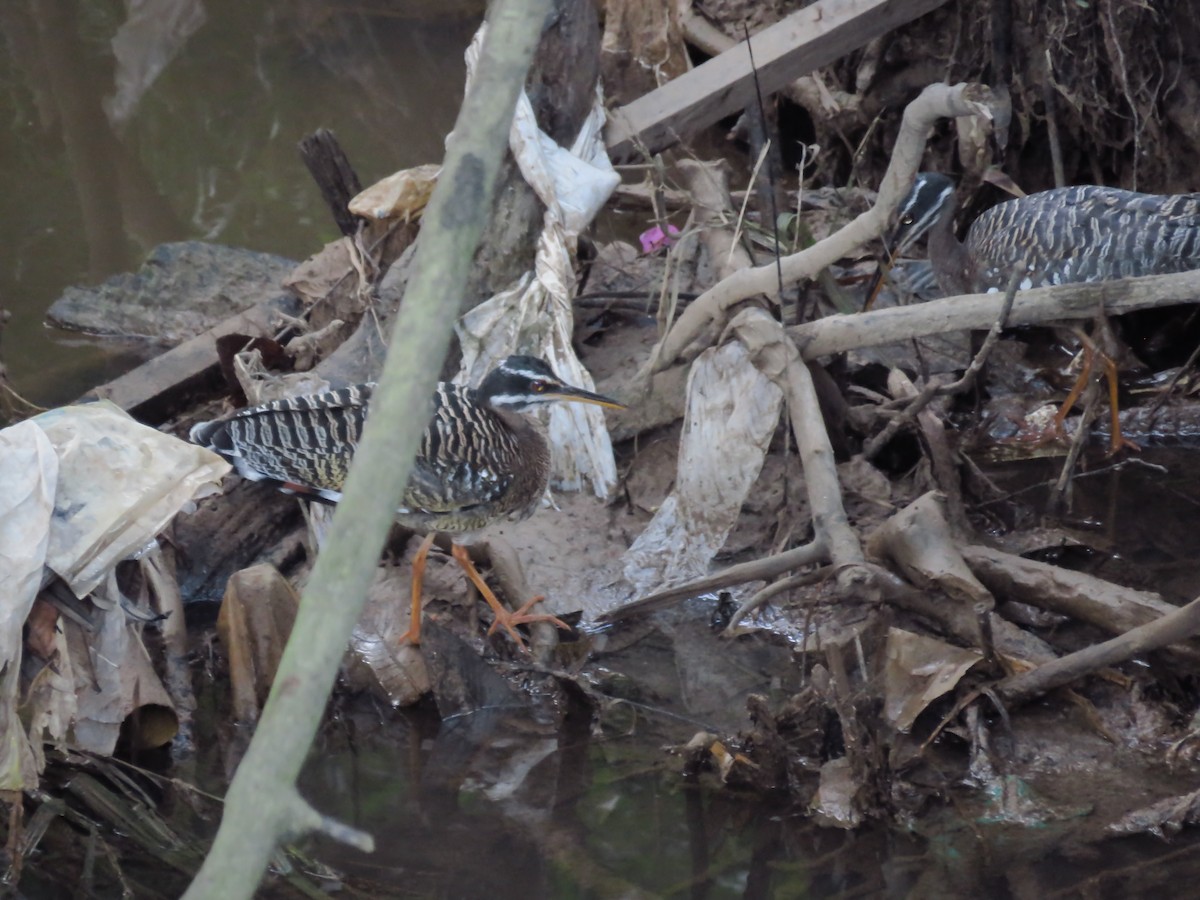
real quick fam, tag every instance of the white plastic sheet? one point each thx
(82, 488)
(27, 482)
(732, 411)
(535, 316)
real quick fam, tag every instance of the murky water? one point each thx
(488, 806)
(208, 150)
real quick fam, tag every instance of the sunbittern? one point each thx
(1066, 235)
(481, 459)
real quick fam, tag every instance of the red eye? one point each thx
(538, 387)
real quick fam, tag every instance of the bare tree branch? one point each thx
(261, 805)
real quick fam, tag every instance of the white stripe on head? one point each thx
(525, 372)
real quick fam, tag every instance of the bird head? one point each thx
(931, 195)
(522, 382)
(924, 204)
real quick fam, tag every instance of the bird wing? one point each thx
(463, 457)
(305, 444)
(1087, 233)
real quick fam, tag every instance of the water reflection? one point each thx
(1135, 520)
(498, 804)
(94, 178)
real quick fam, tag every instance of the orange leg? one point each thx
(1117, 440)
(504, 619)
(1089, 357)
(418, 578)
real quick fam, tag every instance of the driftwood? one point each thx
(935, 102)
(837, 334)
(335, 177)
(1083, 597)
(160, 387)
(1179, 625)
(803, 42)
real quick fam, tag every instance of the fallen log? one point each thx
(159, 387)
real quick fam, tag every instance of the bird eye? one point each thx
(537, 387)
(907, 220)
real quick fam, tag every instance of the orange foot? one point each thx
(504, 619)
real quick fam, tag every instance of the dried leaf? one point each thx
(919, 670)
(401, 195)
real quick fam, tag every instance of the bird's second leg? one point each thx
(1117, 440)
(504, 618)
(418, 579)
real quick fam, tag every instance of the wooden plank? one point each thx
(152, 389)
(803, 42)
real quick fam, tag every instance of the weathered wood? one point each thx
(335, 177)
(803, 42)
(154, 389)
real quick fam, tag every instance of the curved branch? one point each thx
(935, 102)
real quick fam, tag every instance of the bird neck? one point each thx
(530, 436)
(951, 262)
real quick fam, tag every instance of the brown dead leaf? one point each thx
(41, 628)
(920, 669)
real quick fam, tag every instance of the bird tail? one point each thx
(214, 436)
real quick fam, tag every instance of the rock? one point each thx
(182, 290)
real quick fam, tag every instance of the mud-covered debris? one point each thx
(836, 803)
(181, 290)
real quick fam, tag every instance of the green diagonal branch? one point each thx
(260, 807)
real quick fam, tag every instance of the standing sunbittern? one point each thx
(481, 459)
(1061, 236)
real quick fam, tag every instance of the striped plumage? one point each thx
(481, 459)
(1074, 234)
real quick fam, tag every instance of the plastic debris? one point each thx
(732, 412)
(655, 238)
(83, 488)
(536, 316)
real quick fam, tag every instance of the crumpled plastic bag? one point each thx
(535, 316)
(120, 483)
(82, 488)
(732, 412)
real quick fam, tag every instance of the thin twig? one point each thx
(762, 116)
(932, 389)
(759, 598)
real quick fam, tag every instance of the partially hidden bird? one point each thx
(1067, 235)
(1061, 236)
(481, 459)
